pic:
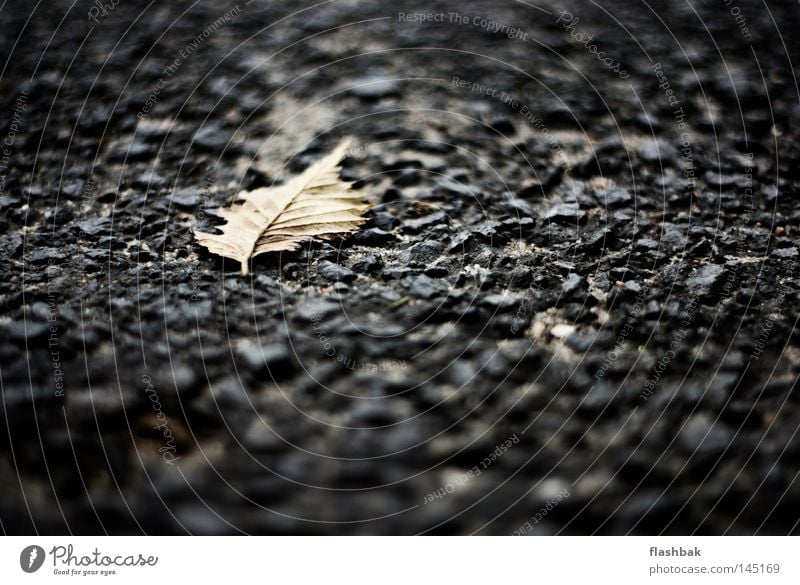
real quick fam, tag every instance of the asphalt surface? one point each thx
(573, 309)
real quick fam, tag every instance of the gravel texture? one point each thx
(573, 309)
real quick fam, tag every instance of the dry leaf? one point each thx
(315, 203)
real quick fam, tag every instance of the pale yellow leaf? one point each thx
(313, 204)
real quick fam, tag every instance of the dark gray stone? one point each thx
(335, 272)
